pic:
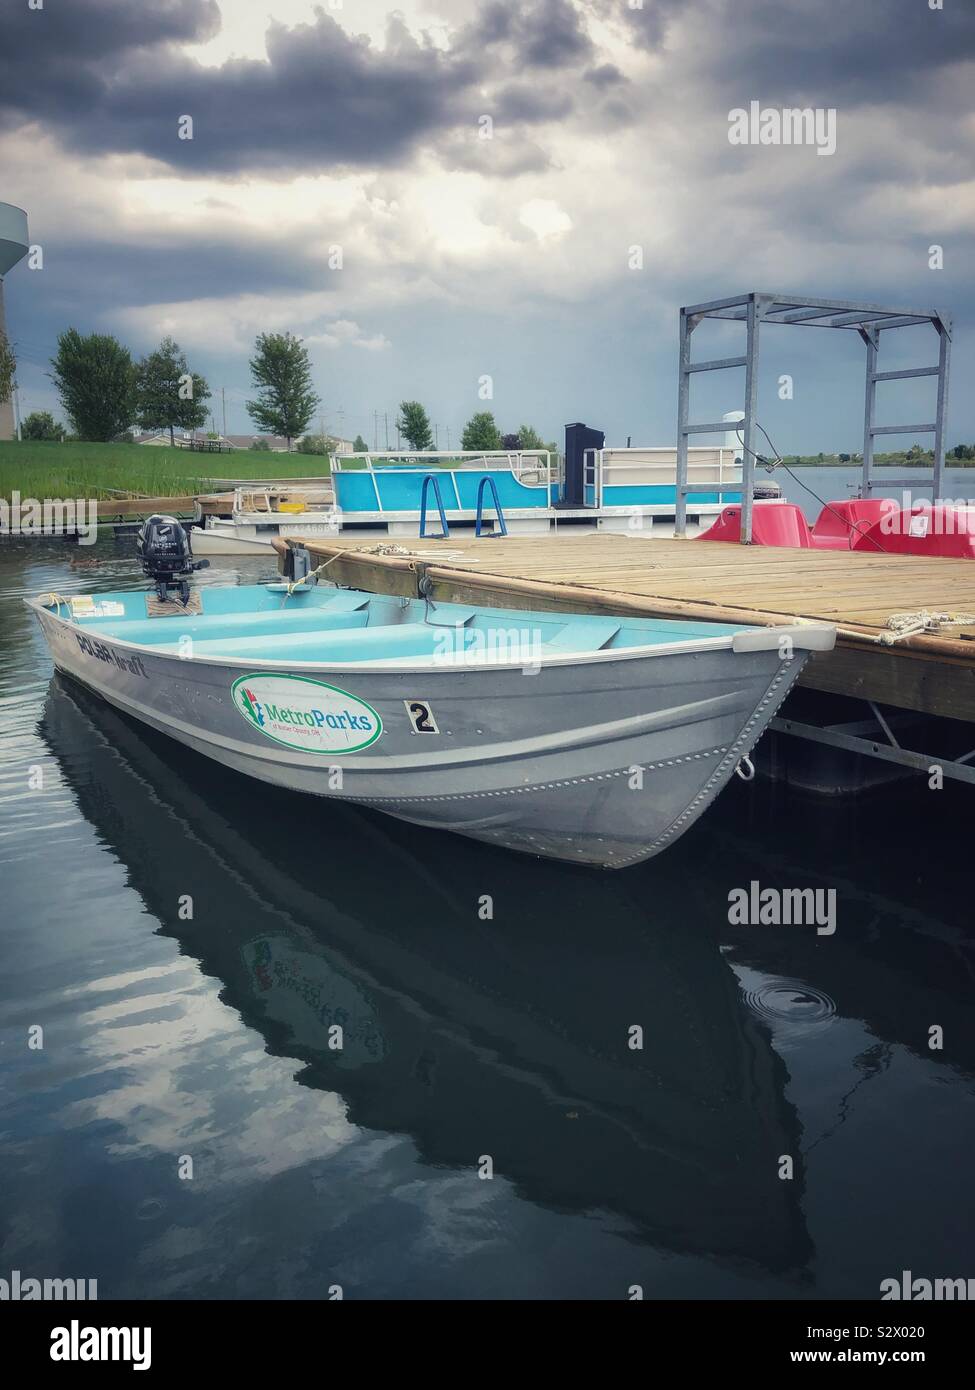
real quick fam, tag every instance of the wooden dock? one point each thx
(932, 674)
(128, 508)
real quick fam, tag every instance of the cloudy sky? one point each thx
(486, 169)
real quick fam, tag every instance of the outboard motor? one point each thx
(164, 548)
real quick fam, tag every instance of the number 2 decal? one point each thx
(422, 720)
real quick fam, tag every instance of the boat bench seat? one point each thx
(345, 639)
(258, 644)
(153, 631)
(584, 635)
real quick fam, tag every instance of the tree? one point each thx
(414, 425)
(286, 399)
(41, 424)
(360, 446)
(481, 432)
(8, 367)
(511, 441)
(168, 394)
(530, 438)
(95, 377)
(315, 444)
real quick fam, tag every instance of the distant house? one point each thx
(152, 437)
(276, 443)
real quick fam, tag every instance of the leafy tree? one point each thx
(8, 367)
(511, 441)
(963, 451)
(530, 438)
(41, 424)
(314, 444)
(414, 425)
(95, 377)
(168, 394)
(286, 399)
(481, 432)
(261, 444)
(360, 446)
(844, 458)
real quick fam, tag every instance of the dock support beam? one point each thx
(687, 327)
(944, 364)
(871, 337)
(750, 429)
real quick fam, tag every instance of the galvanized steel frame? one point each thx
(868, 320)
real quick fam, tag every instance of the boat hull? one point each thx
(225, 541)
(603, 762)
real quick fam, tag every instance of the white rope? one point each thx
(912, 624)
(381, 549)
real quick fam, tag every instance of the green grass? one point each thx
(897, 459)
(93, 470)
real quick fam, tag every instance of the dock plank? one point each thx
(605, 573)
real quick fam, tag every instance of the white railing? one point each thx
(530, 467)
(250, 500)
(597, 463)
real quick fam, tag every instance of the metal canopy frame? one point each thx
(868, 320)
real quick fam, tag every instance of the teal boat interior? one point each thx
(320, 624)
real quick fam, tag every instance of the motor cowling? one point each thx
(164, 549)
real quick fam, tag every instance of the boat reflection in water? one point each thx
(506, 1036)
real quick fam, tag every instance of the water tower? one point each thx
(13, 246)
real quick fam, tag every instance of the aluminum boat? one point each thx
(598, 740)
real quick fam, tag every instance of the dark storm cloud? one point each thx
(182, 266)
(110, 76)
(54, 62)
(830, 51)
(606, 75)
(545, 34)
(323, 98)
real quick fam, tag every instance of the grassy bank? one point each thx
(890, 460)
(99, 470)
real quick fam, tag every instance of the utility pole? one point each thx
(448, 438)
(375, 431)
(321, 428)
(386, 418)
(436, 436)
(223, 397)
(17, 410)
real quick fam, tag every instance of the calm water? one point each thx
(839, 482)
(208, 1038)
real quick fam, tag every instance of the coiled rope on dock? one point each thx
(916, 624)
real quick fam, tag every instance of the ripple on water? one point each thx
(790, 1007)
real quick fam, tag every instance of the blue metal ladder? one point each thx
(488, 481)
(444, 528)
